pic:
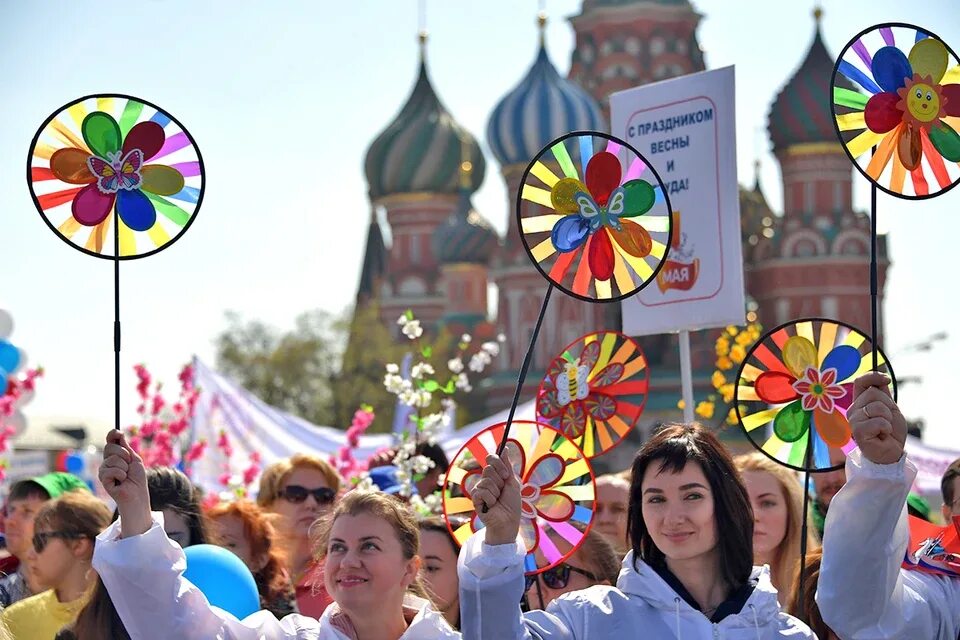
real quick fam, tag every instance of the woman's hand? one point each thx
(498, 491)
(878, 426)
(124, 478)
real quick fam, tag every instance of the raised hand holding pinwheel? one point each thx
(556, 490)
(912, 113)
(595, 391)
(115, 165)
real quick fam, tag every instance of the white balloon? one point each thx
(18, 421)
(6, 324)
(25, 397)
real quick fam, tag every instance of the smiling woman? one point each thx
(368, 545)
(689, 574)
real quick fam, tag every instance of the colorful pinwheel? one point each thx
(595, 391)
(111, 153)
(798, 379)
(556, 490)
(607, 232)
(911, 115)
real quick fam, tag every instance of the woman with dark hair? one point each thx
(439, 569)
(689, 574)
(172, 493)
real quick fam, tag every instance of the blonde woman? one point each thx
(776, 497)
(369, 545)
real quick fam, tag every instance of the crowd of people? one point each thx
(689, 542)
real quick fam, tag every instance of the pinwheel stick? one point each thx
(806, 510)
(873, 271)
(523, 373)
(116, 321)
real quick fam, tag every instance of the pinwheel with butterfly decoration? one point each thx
(111, 166)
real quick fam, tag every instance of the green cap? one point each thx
(59, 483)
(919, 505)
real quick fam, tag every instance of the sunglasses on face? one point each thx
(40, 539)
(296, 494)
(558, 576)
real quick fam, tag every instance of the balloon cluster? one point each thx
(11, 358)
(16, 388)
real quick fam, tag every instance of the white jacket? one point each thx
(144, 575)
(641, 606)
(863, 594)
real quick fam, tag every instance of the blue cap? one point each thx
(385, 478)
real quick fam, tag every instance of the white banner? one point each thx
(685, 129)
(931, 465)
(253, 425)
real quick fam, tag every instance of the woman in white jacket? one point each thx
(690, 575)
(369, 544)
(863, 593)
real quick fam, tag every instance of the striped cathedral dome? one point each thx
(465, 236)
(542, 107)
(420, 150)
(801, 112)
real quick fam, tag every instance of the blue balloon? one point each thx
(223, 578)
(9, 356)
(3, 382)
(74, 464)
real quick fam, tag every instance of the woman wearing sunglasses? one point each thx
(368, 544)
(63, 541)
(300, 489)
(595, 562)
(689, 574)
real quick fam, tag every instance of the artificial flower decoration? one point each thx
(799, 377)
(556, 490)
(607, 231)
(595, 391)
(114, 154)
(911, 115)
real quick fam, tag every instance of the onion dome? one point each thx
(465, 236)
(420, 150)
(544, 106)
(801, 112)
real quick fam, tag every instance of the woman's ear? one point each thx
(82, 548)
(412, 571)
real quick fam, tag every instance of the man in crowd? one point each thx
(25, 499)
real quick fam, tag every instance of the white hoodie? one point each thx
(863, 594)
(144, 576)
(641, 606)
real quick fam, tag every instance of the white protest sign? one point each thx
(685, 129)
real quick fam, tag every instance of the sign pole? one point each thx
(686, 376)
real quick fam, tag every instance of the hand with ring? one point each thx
(879, 428)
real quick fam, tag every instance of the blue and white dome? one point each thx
(544, 106)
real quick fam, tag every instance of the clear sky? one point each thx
(283, 99)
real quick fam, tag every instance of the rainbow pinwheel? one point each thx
(115, 154)
(556, 490)
(798, 380)
(595, 391)
(911, 115)
(606, 234)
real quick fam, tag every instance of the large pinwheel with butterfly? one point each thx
(794, 388)
(595, 391)
(115, 164)
(597, 227)
(556, 490)
(114, 167)
(902, 114)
